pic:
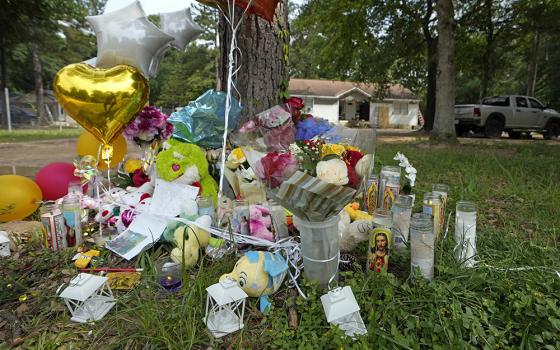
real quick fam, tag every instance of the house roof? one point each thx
(336, 89)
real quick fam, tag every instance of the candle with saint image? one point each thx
(432, 206)
(465, 233)
(443, 191)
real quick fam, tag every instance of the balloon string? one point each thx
(231, 72)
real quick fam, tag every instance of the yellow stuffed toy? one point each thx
(189, 240)
(353, 209)
(259, 274)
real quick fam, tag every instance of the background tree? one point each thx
(444, 126)
(262, 79)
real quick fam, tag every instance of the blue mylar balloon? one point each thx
(202, 121)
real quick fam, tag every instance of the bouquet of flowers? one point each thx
(149, 130)
(308, 165)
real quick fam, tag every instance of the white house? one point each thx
(345, 100)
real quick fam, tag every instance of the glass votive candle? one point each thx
(465, 233)
(443, 191)
(380, 241)
(169, 277)
(388, 171)
(205, 206)
(402, 210)
(422, 244)
(431, 205)
(371, 194)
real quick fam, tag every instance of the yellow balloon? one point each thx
(19, 197)
(89, 145)
(102, 101)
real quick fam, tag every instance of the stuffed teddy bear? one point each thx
(354, 227)
(260, 222)
(189, 241)
(259, 274)
(186, 163)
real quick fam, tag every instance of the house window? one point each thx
(400, 108)
(308, 102)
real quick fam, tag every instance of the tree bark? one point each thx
(431, 46)
(532, 70)
(489, 50)
(4, 83)
(38, 78)
(262, 66)
(444, 126)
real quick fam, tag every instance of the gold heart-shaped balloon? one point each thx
(102, 101)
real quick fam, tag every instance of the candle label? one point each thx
(434, 211)
(443, 196)
(54, 229)
(378, 251)
(389, 195)
(371, 195)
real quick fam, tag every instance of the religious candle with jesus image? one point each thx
(380, 241)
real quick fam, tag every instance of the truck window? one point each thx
(521, 102)
(501, 101)
(535, 104)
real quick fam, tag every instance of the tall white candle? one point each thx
(465, 233)
(422, 245)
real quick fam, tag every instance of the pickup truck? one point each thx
(512, 113)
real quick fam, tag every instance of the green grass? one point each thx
(488, 307)
(25, 135)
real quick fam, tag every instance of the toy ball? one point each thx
(19, 198)
(53, 179)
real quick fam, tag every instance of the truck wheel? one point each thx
(494, 127)
(516, 135)
(553, 131)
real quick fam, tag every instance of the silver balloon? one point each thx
(126, 36)
(181, 26)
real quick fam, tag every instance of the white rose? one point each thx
(362, 167)
(333, 171)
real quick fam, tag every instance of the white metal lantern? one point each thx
(225, 308)
(4, 244)
(88, 297)
(342, 310)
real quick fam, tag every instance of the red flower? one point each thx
(352, 157)
(353, 178)
(139, 178)
(294, 103)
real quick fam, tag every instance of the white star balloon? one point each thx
(181, 26)
(126, 36)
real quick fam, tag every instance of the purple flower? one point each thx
(310, 127)
(149, 125)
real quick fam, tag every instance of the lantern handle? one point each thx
(332, 279)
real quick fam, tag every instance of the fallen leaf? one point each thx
(21, 310)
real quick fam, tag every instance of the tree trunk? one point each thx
(444, 126)
(38, 78)
(3, 83)
(532, 70)
(262, 66)
(489, 50)
(431, 46)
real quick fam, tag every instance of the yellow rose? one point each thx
(332, 148)
(132, 164)
(235, 158)
(352, 148)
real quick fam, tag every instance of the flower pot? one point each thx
(319, 248)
